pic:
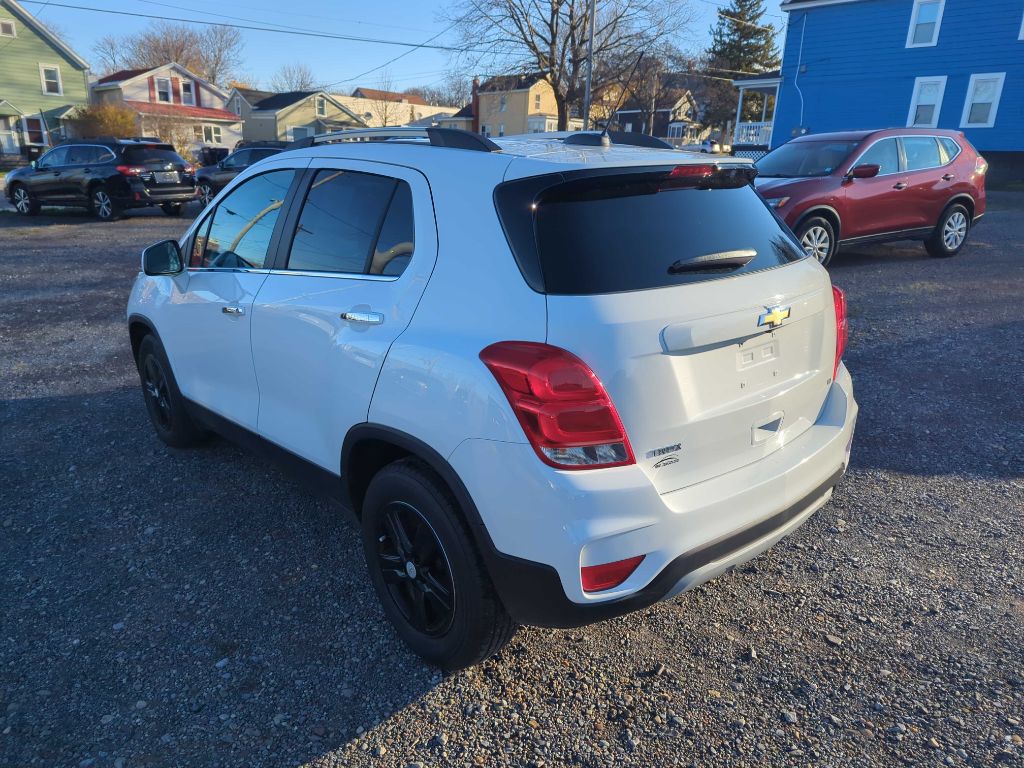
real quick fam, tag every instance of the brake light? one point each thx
(842, 326)
(597, 578)
(562, 406)
(188, 169)
(708, 176)
(130, 170)
(981, 165)
(691, 171)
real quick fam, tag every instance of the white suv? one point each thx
(555, 378)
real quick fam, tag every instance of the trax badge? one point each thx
(773, 317)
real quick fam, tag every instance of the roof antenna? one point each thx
(606, 140)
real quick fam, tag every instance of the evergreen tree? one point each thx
(741, 41)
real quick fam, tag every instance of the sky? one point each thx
(340, 62)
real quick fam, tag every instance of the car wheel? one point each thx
(164, 402)
(24, 202)
(426, 570)
(818, 239)
(172, 209)
(102, 205)
(951, 233)
(206, 194)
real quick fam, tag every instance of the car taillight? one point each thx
(708, 176)
(130, 170)
(842, 326)
(597, 578)
(981, 165)
(562, 406)
(188, 169)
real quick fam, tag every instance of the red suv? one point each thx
(865, 186)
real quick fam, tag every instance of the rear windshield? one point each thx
(805, 158)
(152, 154)
(608, 234)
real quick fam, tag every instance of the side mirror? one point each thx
(866, 171)
(220, 164)
(34, 164)
(163, 258)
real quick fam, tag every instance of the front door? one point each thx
(208, 343)
(875, 206)
(343, 290)
(45, 180)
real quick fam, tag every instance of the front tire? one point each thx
(164, 401)
(102, 204)
(818, 239)
(24, 202)
(950, 234)
(426, 570)
(206, 194)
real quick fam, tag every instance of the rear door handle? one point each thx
(900, 185)
(366, 318)
(948, 177)
(236, 311)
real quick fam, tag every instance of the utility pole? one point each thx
(590, 66)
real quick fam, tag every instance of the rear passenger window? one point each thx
(340, 221)
(885, 154)
(949, 148)
(922, 152)
(397, 238)
(238, 235)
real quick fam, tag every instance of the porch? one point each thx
(758, 93)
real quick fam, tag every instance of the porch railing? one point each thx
(753, 133)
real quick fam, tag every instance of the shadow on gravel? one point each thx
(9, 219)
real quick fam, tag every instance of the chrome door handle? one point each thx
(367, 318)
(900, 185)
(232, 311)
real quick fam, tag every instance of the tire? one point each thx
(163, 399)
(101, 205)
(172, 209)
(433, 586)
(950, 234)
(24, 201)
(817, 236)
(206, 194)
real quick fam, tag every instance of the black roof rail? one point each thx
(453, 138)
(595, 139)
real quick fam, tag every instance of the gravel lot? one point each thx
(165, 608)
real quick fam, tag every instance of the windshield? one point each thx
(805, 158)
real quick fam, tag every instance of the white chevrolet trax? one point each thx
(555, 378)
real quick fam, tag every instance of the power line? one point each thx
(719, 7)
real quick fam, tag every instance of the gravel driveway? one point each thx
(164, 608)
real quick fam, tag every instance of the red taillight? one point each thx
(981, 165)
(842, 326)
(597, 578)
(562, 406)
(130, 170)
(692, 171)
(188, 169)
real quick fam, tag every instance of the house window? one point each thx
(7, 28)
(504, 103)
(299, 132)
(925, 21)
(982, 102)
(188, 95)
(50, 78)
(211, 134)
(238, 106)
(321, 107)
(485, 130)
(163, 89)
(501, 129)
(926, 102)
(33, 128)
(536, 101)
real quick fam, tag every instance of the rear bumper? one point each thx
(545, 524)
(139, 195)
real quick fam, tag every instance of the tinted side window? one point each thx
(241, 228)
(397, 238)
(339, 222)
(885, 154)
(57, 156)
(260, 154)
(950, 147)
(922, 152)
(237, 160)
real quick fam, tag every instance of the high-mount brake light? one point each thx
(692, 171)
(842, 326)
(708, 176)
(562, 406)
(597, 578)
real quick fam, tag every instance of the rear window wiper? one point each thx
(714, 262)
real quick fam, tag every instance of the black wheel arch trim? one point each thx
(817, 210)
(960, 198)
(134, 320)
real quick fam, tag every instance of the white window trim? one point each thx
(307, 131)
(1001, 77)
(192, 95)
(918, 82)
(913, 25)
(42, 79)
(1021, 35)
(14, 27)
(320, 100)
(156, 90)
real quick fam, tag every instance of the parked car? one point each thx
(553, 384)
(107, 176)
(708, 146)
(212, 179)
(837, 189)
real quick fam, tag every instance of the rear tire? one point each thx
(172, 209)
(950, 234)
(206, 194)
(24, 201)
(818, 239)
(426, 570)
(164, 401)
(102, 205)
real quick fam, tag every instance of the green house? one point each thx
(41, 81)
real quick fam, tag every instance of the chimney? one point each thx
(475, 104)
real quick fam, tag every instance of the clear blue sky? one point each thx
(410, 21)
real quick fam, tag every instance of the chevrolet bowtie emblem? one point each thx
(773, 317)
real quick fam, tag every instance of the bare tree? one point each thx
(454, 91)
(293, 77)
(213, 53)
(550, 37)
(388, 111)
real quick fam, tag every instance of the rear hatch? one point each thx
(159, 167)
(712, 333)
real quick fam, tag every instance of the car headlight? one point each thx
(777, 202)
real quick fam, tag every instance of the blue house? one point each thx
(854, 64)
